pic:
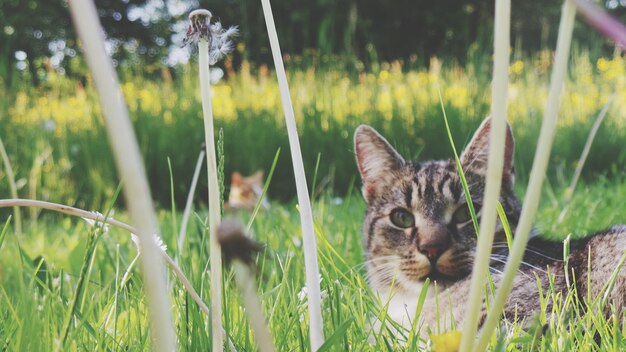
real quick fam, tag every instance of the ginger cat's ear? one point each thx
(376, 160)
(257, 177)
(236, 178)
(475, 156)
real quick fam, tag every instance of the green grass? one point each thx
(61, 123)
(35, 296)
(79, 286)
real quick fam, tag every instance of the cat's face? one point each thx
(417, 223)
(245, 191)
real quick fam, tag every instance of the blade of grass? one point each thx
(569, 192)
(316, 328)
(12, 187)
(317, 167)
(505, 226)
(4, 231)
(495, 163)
(459, 168)
(108, 220)
(336, 336)
(91, 245)
(189, 203)
(265, 187)
(131, 170)
(172, 200)
(537, 175)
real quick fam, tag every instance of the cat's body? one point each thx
(418, 226)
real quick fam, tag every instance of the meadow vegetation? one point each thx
(55, 138)
(61, 123)
(39, 272)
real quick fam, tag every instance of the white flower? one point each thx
(304, 292)
(98, 223)
(157, 240)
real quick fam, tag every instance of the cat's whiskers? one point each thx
(383, 268)
(495, 271)
(504, 245)
(385, 274)
(503, 261)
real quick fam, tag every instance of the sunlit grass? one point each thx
(329, 104)
(34, 297)
(62, 125)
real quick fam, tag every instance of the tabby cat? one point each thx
(417, 226)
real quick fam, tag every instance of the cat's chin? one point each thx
(440, 279)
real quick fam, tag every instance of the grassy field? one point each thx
(63, 277)
(110, 314)
(61, 124)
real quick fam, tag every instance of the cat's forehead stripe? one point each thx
(408, 196)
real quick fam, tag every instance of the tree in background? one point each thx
(38, 35)
(146, 35)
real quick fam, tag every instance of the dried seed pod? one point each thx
(235, 244)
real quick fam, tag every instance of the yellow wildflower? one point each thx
(446, 342)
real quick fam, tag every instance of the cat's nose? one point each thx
(432, 252)
(433, 246)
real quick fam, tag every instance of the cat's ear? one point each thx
(257, 176)
(236, 178)
(256, 179)
(475, 156)
(375, 158)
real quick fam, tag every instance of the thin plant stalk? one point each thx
(100, 218)
(537, 174)
(245, 280)
(239, 250)
(64, 209)
(495, 164)
(213, 44)
(569, 192)
(189, 203)
(131, 170)
(17, 214)
(214, 198)
(316, 328)
(80, 284)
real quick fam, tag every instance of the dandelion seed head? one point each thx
(219, 39)
(235, 243)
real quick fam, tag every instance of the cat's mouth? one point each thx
(439, 277)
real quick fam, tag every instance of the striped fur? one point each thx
(440, 247)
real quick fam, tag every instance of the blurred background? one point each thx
(349, 62)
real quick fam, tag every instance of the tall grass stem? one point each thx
(537, 174)
(495, 164)
(569, 192)
(131, 170)
(244, 278)
(214, 198)
(189, 203)
(316, 328)
(17, 214)
(64, 209)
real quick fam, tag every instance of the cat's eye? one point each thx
(402, 218)
(462, 214)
